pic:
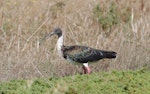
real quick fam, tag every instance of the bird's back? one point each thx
(83, 54)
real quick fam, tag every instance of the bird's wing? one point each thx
(82, 54)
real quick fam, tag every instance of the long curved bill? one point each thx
(46, 37)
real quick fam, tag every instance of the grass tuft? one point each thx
(112, 16)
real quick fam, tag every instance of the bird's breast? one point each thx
(60, 45)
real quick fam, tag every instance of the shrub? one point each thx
(112, 16)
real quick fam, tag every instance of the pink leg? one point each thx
(86, 68)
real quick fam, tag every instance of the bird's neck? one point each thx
(60, 45)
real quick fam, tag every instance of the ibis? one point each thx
(79, 54)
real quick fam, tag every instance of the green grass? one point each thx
(115, 82)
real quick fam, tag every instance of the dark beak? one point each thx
(47, 36)
(51, 34)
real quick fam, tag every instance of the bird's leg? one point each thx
(86, 68)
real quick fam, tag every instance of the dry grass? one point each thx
(24, 22)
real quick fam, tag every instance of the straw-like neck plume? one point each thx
(60, 45)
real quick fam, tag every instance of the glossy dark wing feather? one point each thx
(83, 54)
(72, 49)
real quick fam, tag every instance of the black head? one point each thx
(56, 31)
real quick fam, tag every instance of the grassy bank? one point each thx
(115, 82)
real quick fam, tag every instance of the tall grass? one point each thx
(23, 24)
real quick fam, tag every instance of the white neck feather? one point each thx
(59, 45)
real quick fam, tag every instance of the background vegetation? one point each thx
(119, 25)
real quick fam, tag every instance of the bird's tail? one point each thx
(109, 54)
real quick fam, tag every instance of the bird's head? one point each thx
(56, 31)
